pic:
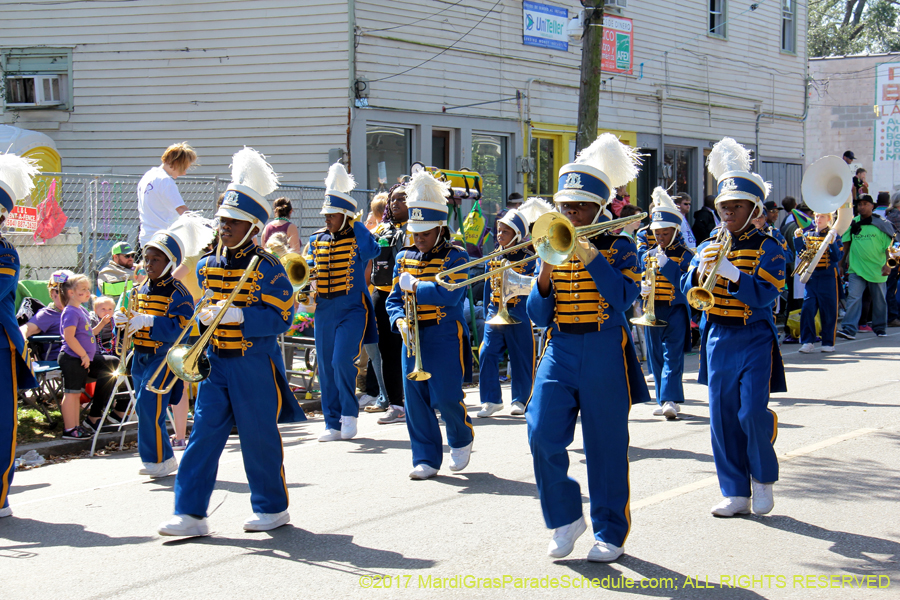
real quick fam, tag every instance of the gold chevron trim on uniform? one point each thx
(778, 283)
(282, 304)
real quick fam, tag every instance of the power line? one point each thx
(446, 8)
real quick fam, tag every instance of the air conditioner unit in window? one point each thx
(617, 3)
(32, 91)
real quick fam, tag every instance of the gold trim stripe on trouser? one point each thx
(628, 462)
(4, 491)
(280, 441)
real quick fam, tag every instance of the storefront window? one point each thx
(677, 170)
(543, 151)
(489, 159)
(388, 155)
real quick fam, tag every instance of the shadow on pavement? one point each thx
(35, 535)
(489, 485)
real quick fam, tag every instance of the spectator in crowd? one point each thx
(772, 211)
(866, 246)
(376, 211)
(849, 157)
(860, 185)
(114, 278)
(683, 201)
(621, 199)
(282, 224)
(79, 360)
(159, 201)
(102, 323)
(630, 229)
(705, 219)
(46, 321)
(882, 204)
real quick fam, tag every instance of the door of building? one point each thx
(546, 150)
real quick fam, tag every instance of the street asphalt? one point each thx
(361, 529)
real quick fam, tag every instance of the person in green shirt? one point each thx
(866, 246)
(117, 276)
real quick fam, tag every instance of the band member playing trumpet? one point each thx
(666, 345)
(247, 385)
(16, 182)
(588, 365)
(443, 336)
(345, 316)
(517, 337)
(161, 309)
(820, 294)
(739, 357)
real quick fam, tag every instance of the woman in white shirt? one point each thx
(159, 201)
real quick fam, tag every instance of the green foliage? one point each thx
(841, 27)
(33, 426)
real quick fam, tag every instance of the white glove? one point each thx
(407, 282)
(209, 313)
(585, 251)
(233, 315)
(661, 258)
(645, 288)
(120, 318)
(729, 271)
(403, 328)
(708, 255)
(137, 322)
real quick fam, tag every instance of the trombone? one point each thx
(648, 319)
(412, 346)
(554, 238)
(189, 363)
(701, 295)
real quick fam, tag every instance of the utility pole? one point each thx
(591, 58)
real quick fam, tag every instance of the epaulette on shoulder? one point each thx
(181, 288)
(322, 230)
(5, 243)
(267, 256)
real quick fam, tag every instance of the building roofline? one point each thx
(853, 56)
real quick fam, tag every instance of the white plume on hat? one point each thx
(249, 168)
(618, 161)
(661, 198)
(17, 173)
(194, 231)
(727, 156)
(534, 208)
(339, 180)
(423, 187)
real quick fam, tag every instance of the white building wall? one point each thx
(269, 74)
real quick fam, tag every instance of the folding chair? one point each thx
(48, 375)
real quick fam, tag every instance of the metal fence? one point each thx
(102, 210)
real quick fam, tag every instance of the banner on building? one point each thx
(22, 217)
(545, 26)
(886, 166)
(618, 45)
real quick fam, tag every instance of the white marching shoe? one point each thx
(488, 409)
(329, 435)
(670, 410)
(763, 498)
(564, 537)
(6, 512)
(422, 472)
(806, 348)
(658, 411)
(266, 521)
(348, 428)
(517, 408)
(604, 552)
(827, 348)
(732, 505)
(185, 526)
(459, 457)
(163, 469)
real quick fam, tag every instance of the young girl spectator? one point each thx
(282, 224)
(79, 360)
(376, 211)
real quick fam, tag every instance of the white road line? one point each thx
(708, 481)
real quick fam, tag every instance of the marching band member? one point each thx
(739, 357)
(345, 316)
(820, 294)
(517, 338)
(443, 346)
(589, 363)
(247, 385)
(666, 345)
(163, 307)
(16, 183)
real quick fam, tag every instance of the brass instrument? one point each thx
(207, 296)
(511, 284)
(412, 346)
(123, 370)
(894, 259)
(554, 238)
(298, 273)
(806, 258)
(701, 295)
(648, 319)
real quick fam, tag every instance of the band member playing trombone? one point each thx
(436, 356)
(820, 294)
(345, 316)
(735, 278)
(501, 333)
(247, 385)
(588, 365)
(671, 337)
(160, 310)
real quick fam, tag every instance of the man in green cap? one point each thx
(114, 278)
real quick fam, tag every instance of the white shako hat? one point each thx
(338, 185)
(186, 237)
(729, 163)
(252, 179)
(663, 212)
(426, 198)
(597, 171)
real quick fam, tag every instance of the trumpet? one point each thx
(701, 295)
(412, 346)
(648, 319)
(125, 343)
(554, 239)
